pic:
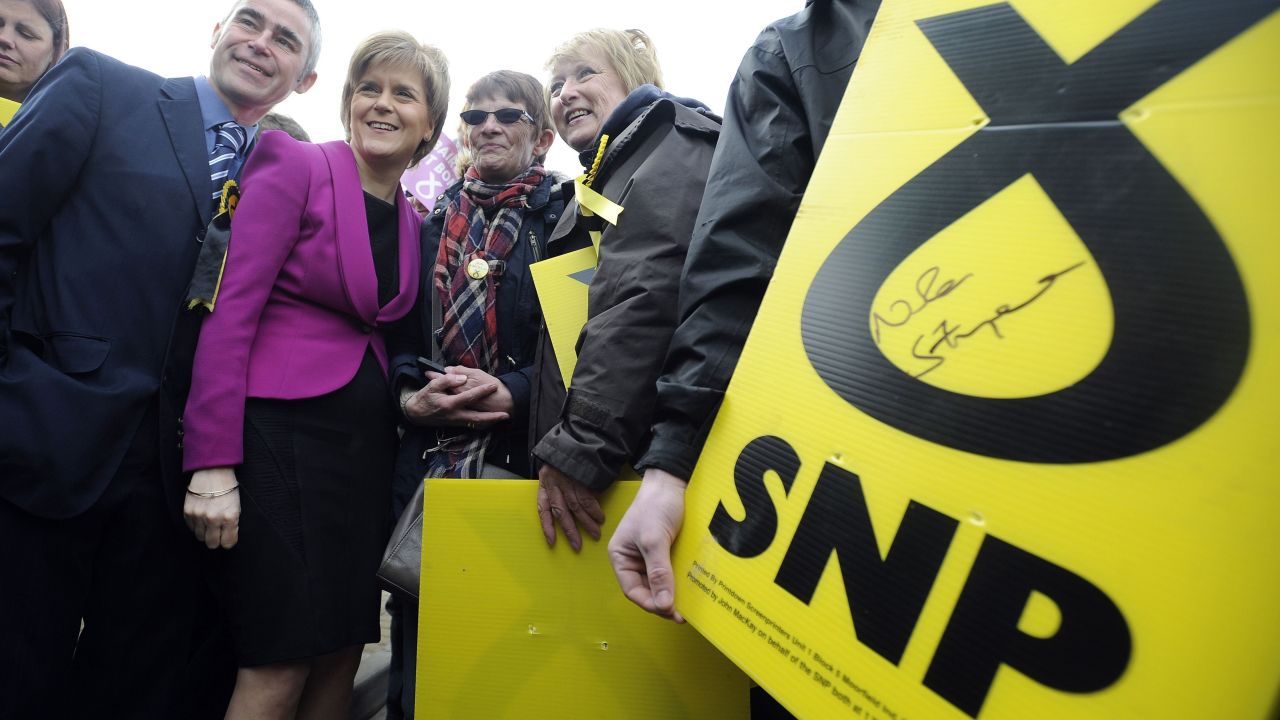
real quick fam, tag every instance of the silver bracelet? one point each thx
(215, 493)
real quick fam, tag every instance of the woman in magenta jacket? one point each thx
(289, 428)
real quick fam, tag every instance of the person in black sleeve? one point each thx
(648, 151)
(780, 108)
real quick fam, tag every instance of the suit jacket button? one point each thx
(366, 329)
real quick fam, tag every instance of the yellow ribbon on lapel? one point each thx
(206, 280)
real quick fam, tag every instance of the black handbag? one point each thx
(401, 568)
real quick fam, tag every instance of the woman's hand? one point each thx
(563, 499)
(214, 520)
(499, 401)
(446, 400)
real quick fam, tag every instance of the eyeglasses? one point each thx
(506, 116)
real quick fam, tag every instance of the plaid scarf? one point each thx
(481, 222)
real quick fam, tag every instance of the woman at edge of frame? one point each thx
(649, 152)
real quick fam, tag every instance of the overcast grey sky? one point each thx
(699, 42)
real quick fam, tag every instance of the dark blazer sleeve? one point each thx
(41, 154)
(96, 210)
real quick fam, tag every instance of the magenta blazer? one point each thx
(298, 304)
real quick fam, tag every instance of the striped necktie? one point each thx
(228, 140)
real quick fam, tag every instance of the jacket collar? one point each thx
(181, 112)
(538, 198)
(355, 260)
(410, 262)
(625, 117)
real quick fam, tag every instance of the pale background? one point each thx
(699, 43)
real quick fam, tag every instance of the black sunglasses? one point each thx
(506, 116)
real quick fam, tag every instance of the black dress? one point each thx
(314, 490)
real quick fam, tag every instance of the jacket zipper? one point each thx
(533, 246)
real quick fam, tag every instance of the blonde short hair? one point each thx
(396, 47)
(630, 52)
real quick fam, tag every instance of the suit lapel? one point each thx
(181, 112)
(355, 257)
(410, 261)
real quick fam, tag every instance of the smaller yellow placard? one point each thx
(510, 628)
(562, 284)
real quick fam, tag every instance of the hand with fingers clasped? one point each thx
(498, 401)
(212, 507)
(640, 550)
(459, 399)
(563, 500)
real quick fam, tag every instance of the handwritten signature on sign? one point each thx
(947, 335)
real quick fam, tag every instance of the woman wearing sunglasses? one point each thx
(648, 152)
(477, 246)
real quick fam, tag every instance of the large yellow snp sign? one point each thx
(1002, 443)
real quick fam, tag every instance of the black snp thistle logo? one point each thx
(1181, 333)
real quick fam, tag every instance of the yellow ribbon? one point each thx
(592, 203)
(204, 289)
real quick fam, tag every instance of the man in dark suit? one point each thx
(107, 178)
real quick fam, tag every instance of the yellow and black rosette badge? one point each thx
(207, 277)
(229, 199)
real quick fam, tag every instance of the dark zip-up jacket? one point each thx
(656, 169)
(780, 108)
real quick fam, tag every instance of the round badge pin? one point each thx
(478, 268)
